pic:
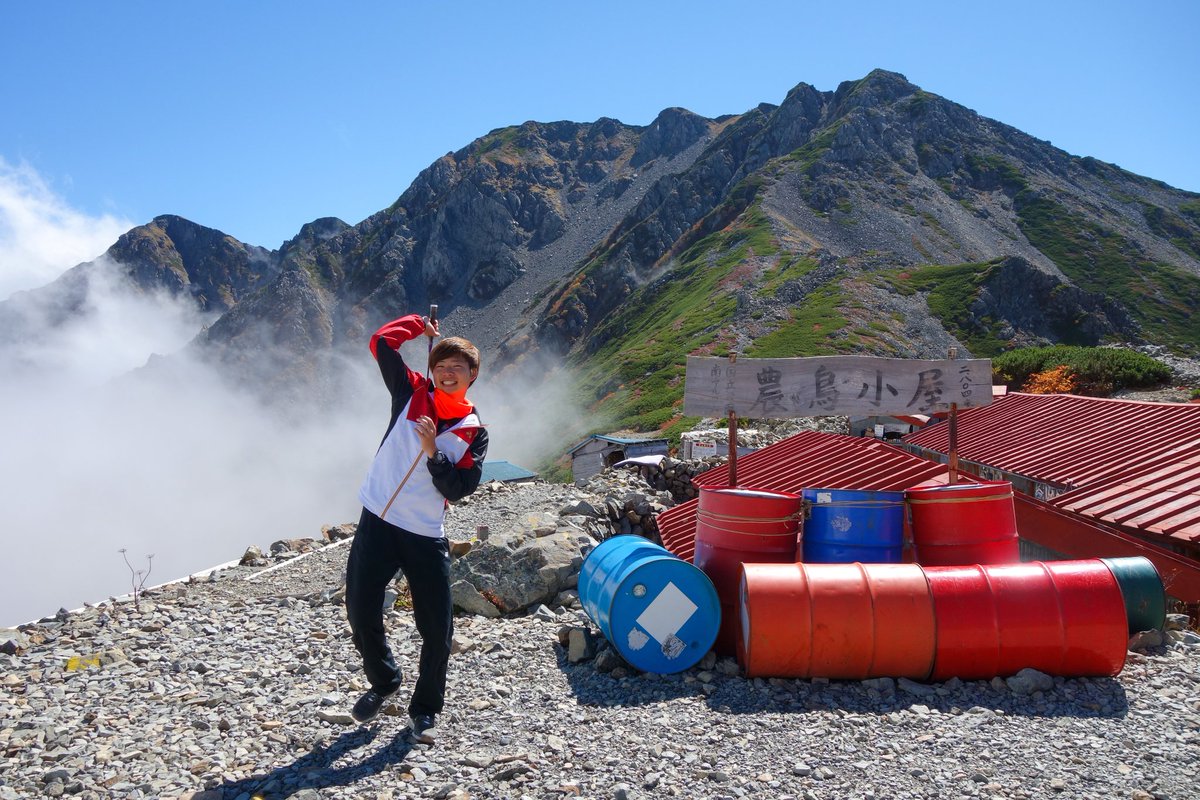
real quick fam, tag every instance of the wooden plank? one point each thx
(759, 388)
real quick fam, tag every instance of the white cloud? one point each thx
(99, 452)
(167, 459)
(41, 236)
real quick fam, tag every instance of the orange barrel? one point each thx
(964, 523)
(737, 525)
(1059, 617)
(851, 621)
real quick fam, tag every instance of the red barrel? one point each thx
(738, 525)
(1059, 617)
(850, 621)
(965, 523)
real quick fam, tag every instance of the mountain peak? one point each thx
(183, 257)
(321, 229)
(879, 87)
(673, 131)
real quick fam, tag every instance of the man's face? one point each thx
(453, 374)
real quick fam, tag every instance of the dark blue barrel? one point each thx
(842, 526)
(660, 612)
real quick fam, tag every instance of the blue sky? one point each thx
(255, 118)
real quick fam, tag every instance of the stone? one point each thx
(519, 570)
(1147, 640)
(881, 685)
(1029, 680)
(12, 641)
(567, 598)
(912, 687)
(467, 598)
(336, 533)
(1177, 622)
(579, 508)
(581, 646)
(478, 760)
(253, 557)
(728, 667)
(608, 659)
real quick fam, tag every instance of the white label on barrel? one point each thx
(673, 646)
(637, 640)
(824, 497)
(667, 613)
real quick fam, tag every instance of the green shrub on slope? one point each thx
(1098, 370)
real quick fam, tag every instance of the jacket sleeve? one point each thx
(385, 346)
(457, 481)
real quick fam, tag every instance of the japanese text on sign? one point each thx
(826, 385)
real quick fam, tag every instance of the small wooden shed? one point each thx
(598, 451)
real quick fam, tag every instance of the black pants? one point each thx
(378, 551)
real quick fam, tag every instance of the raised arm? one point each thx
(385, 346)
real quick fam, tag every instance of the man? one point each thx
(432, 453)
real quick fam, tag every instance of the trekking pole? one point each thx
(417, 460)
(432, 319)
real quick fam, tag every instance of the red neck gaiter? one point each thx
(451, 406)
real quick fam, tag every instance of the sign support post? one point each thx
(732, 437)
(952, 456)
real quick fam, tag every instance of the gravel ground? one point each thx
(238, 685)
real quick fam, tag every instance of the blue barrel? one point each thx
(842, 526)
(660, 612)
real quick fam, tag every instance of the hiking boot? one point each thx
(424, 727)
(367, 707)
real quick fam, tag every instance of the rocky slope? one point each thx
(480, 233)
(881, 175)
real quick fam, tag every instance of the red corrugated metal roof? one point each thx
(1161, 495)
(1066, 439)
(807, 460)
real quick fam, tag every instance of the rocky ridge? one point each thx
(555, 237)
(876, 177)
(168, 255)
(237, 685)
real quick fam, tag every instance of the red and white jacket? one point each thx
(403, 487)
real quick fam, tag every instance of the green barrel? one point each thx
(1142, 589)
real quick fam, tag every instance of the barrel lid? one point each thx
(751, 492)
(981, 486)
(822, 496)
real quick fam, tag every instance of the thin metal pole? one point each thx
(953, 454)
(433, 319)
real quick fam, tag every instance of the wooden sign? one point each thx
(832, 385)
